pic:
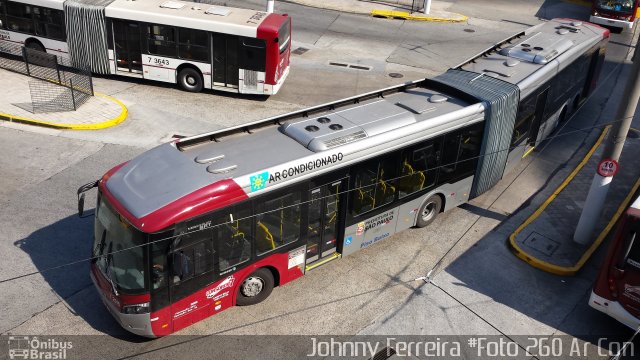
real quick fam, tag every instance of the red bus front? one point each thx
(182, 268)
(276, 31)
(616, 291)
(615, 13)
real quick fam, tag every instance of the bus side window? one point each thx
(2, 13)
(418, 169)
(162, 40)
(20, 17)
(233, 238)
(49, 23)
(191, 254)
(193, 44)
(159, 269)
(450, 154)
(470, 143)
(278, 222)
(253, 54)
(375, 184)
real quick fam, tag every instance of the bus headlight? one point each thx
(595, 13)
(136, 308)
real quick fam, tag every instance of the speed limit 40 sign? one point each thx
(608, 168)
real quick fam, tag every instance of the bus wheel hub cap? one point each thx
(191, 80)
(428, 212)
(252, 286)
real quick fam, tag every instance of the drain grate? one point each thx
(541, 243)
(396, 75)
(300, 51)
(351, 66)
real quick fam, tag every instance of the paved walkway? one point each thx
(400, 9)
(545, 238)
(99, 112)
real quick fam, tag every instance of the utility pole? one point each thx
(270, 6)
(427, 6)
(621, 123)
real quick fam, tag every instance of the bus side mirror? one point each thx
(81, 205)
(81, 190)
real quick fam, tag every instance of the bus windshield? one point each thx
(118, 250)
(284, 34)
(624, 6)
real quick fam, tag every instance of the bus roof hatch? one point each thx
(539, 48)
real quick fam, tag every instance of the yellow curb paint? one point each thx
(103, 125)
(402, 15)
(570, 270)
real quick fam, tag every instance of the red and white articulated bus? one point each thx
(198, 225)
(616, 291)
(615, 13)
(194, 45)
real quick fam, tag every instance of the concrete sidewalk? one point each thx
(99, 112)
(545, 238)
(397, 9)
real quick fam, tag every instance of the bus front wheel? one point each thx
(255, 288)
(429, 211)
(190, 80)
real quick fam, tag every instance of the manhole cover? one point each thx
(300, 51)
(396, 75)
(541, 243)
(469, 30)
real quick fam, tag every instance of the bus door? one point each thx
(538, 121)
(224, 60)
(126, 37)
(191, 264)
(325, 221)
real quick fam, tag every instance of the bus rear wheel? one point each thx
(255, 288)
(35, 45)
(190, 80)
(429, 211)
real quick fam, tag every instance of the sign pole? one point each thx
(427, 6)
(592, 208)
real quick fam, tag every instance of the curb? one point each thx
(103, 125)
(403, 15)
(569, 270)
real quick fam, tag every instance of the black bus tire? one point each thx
(190, 79)
(429, 211)
(255, 288)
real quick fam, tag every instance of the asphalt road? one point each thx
(370, 293)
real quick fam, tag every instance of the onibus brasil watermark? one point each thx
(32, 347)
(471, 347)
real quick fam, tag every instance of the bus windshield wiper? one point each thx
(108, 272)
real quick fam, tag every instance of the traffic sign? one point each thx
(608, 167)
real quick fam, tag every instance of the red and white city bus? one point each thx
(198, 225)
(616, 291)
(616, 13)
(195, 45)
